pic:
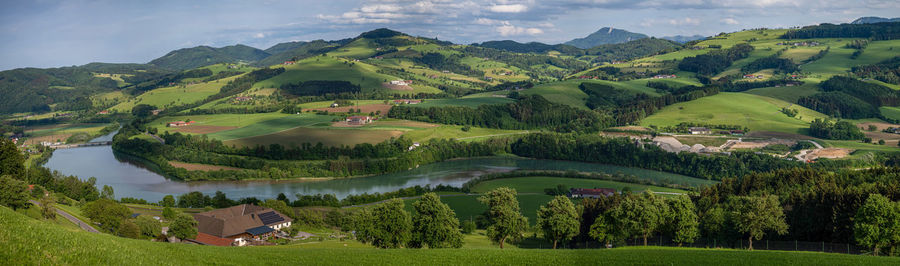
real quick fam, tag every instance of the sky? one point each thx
(52, 33)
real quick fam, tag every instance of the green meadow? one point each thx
(753, 111)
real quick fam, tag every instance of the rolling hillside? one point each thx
(28, 241)
(188, 58)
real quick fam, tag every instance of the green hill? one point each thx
(295, 51)
(32, 242)
(188, 58)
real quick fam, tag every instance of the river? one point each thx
(129, 178)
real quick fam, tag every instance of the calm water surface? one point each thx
(130, 179)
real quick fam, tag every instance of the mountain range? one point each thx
(605, 35)
(867, 20)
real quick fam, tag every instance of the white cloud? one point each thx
(515, 8)
(259, 35)
(730, 21)
(685, 21)
(510, 30)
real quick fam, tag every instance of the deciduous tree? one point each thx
(434, 224)
(149, 226)
(505, 219)
(183, 227)
(47, 209)
(755, 215)
(13, 193)
(109, 214)
(392, 225)
(558, 219)
(682, 220)
(11, 161)
(877, 223)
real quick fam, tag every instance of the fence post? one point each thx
(795, 245)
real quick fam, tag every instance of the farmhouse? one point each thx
(243, 98)
(180, 124)
(104, 112)
(359, 120)
(239, 225)
(664, 76)
(699, 131)
(414, 146)
(287, 63)
(401, 82)
(156, 112)
(591, 192)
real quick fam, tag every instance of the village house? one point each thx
(664, 76)
(404, 101)
(591, 193)
(401, 82)
(414, 146)
(359, 120)
(243, 98)
(699, 131)
(180, 123)
(239, 225)
(104, 112)
(287, 63)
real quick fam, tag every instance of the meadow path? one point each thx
(82, 224)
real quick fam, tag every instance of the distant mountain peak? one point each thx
(605, 35)
(867, 20)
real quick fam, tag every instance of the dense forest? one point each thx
(529, 112)
(887, 71)
(846, 97)
(874, 31)
(625, 152)
(320, 88)
(628, 107)
(781, 65)
(716, 61)
(819, 205)
(828, 129)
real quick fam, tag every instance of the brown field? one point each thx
(198, 129)
(201, 167)
(366, 108)
(329, 137)
(880, 126)
(832, 153)
(397, 87)
(50, 138)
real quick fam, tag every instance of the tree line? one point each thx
(628, 107)
(529, 112)
(715, 61)
(846, 97)
(872, 31)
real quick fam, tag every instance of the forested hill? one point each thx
(531, 47)
(683, 38)
(868, 20)
(295, 51)
(605, 35)
(188, 58)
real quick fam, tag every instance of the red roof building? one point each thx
(207, 239)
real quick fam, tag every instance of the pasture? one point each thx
(176, 95)
(330, 68)
(327, 136)
(38, 242)
(464, 101)
(537, 184)
(758, 113)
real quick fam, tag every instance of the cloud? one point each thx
(730, 21)
(510, 30)
(516, 8)
(688, 21)
(259, 35)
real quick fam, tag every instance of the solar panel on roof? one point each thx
(270, 217)
(259, 230)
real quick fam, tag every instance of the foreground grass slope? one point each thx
(27, 241)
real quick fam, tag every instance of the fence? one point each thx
(735, 244)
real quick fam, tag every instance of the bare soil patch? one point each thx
(200, 129)
(397, 87)
(200, 167)
(879, 125)
(48, 138)
(831, 153)
(367, 108)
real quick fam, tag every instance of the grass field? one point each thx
(330, 68)
(563, 92)
(231, 120)
(30, 242)
(327, 136)
(465, 101)
(456, 132)
(537, 184)
(176, 95)
(890, 112)
(788, 94)
(758, 113)
(272, 126)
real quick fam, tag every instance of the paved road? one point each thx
(83, 225)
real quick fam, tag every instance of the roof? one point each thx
(211, 240)
(236, 220)
(260, 230)
(358, 117)
(698, 129)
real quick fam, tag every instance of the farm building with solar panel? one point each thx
(241, 225)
